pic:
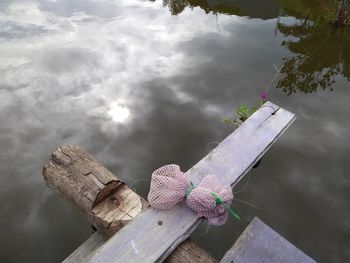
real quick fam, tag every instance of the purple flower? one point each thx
(263, 95)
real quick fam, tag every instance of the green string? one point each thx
(220, 201)
(189, 189)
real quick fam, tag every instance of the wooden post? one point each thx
(79, 178)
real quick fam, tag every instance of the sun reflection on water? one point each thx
(119, 112)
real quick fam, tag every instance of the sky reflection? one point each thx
(119, 112)
(138, 88)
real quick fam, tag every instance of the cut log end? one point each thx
(109, 203)
(117, 210)
(79, 178)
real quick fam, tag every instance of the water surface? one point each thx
(140, 84)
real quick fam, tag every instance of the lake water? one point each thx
(141, 84)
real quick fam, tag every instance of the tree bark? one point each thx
(80, 179)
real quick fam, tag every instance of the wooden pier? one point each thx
(129, 231)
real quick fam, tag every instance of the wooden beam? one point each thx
(187, 251)
(260, 243)
(79, 178)
(156, 233)
(84, 250)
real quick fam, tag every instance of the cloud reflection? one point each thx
(69, 74)
(119, 112)
(137, 88)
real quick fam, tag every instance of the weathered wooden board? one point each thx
(84, 250)
(187, 251)
(156, 233)
(261, 244)
(110, 204)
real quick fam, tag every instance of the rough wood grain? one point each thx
(186, 252)
(189, 252)
(147, 240)
(84, 250)
(83, 181)
(80, 179)
(259, 243)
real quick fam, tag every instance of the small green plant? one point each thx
(244, 111)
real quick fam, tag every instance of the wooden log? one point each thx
(83, 181)
(187, 251)
(260, 243)
(146, 240)
(110, 204)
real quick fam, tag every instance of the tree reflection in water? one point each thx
(215, 6)
(321, 51)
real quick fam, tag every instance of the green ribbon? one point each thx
(189, 189)
(220, 201)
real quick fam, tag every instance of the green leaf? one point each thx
(228, 121)
(244, 112)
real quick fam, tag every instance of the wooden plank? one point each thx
(259, 243)
(74, 174)
(156, 233)
(187, 251)
(84, 250)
